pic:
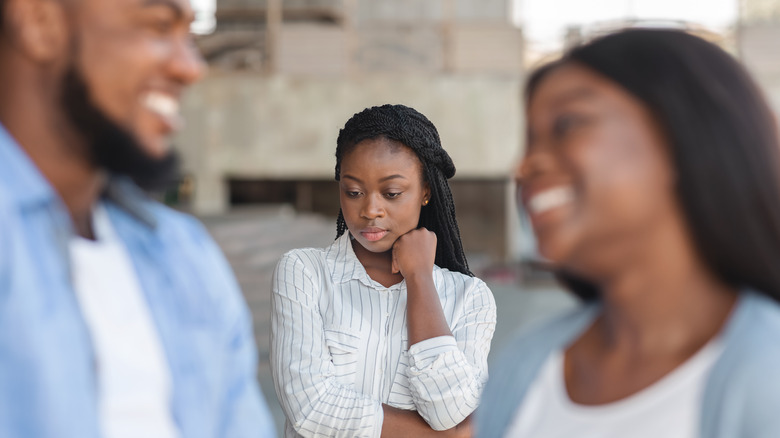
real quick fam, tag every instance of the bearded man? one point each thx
(118, 316)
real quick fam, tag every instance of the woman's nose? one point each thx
(532, 165)
(373, 207)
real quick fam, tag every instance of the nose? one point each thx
(186, 62)
(534, 164)
(373, 207)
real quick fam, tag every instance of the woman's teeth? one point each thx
(550, 199)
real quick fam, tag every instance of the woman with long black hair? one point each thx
(386, 331)
(652, 181)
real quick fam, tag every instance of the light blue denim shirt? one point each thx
(48, 374)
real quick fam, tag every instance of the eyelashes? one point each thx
(352, 194)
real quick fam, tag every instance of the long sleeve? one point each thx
(302, 365)
(243, 411)
(447, 373)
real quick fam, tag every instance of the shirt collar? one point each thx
(344, 265)
(26, 184)
(123, 192)
(29, 187)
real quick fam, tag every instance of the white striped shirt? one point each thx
(339, 346)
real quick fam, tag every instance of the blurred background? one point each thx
(285, 75)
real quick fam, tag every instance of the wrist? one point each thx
(419, 277)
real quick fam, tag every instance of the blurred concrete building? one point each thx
(759, 45)
(285, 77)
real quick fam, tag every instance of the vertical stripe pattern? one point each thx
(339, 346)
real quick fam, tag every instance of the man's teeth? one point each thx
(551, 198)
(162, 104)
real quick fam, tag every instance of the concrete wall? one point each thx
(321, 49)
(759, 49)
(496, 11)
(250, 126)
(262, 127)
(414, 11)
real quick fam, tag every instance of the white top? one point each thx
(134, 383)
(339, 346)
(669, 408)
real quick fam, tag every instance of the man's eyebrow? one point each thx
(174, 6)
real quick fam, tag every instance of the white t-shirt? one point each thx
(134, 383)
(669, 408)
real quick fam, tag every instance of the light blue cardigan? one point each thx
(742, 394)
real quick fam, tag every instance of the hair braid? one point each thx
(412, 129)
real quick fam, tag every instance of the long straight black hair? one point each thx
(723, 142)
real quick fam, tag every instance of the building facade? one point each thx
(285, 76)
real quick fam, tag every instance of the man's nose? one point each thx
(186, 62)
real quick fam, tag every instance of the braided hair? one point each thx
(412, 129)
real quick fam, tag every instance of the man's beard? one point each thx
(108, 145)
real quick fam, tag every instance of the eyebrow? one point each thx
(573, 95)
(175, 7)
(581, 93)
(383, 179)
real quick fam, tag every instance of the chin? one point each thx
(378, 247)
(375, 247)
(554, 252)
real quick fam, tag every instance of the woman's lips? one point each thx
(373, 234)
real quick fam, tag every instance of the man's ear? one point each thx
(38, 28)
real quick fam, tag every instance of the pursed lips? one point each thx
(373, 234)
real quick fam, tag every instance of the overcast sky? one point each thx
(204, 10)
(544, 21)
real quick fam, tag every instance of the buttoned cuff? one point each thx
(424, 354)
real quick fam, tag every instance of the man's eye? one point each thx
(162, 26)
(160, 19)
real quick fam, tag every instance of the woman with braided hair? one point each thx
(385, 332)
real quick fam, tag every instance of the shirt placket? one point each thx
(390, 301)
